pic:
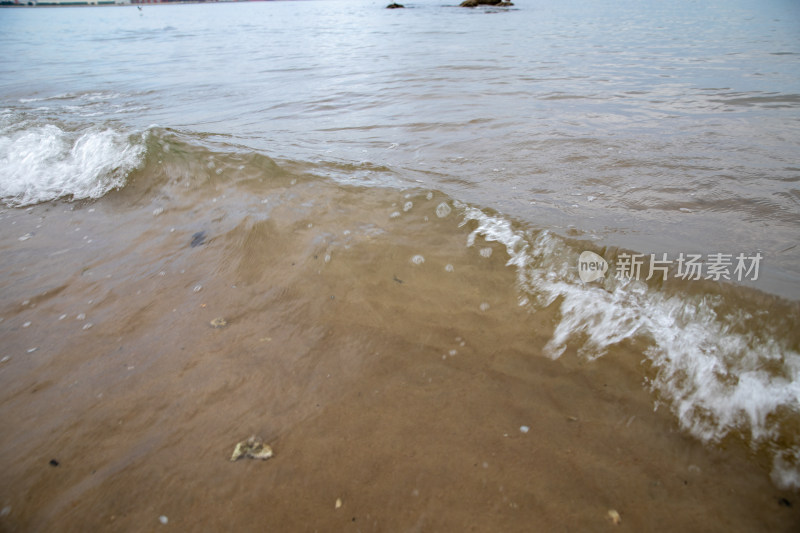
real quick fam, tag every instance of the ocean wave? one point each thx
(44, 162)
(721, 371)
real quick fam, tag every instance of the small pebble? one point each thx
(614, 516)
(219, 322)
(338, 503)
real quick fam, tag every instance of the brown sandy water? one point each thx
(397, 387)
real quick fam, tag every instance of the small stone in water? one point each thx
(254, 448)
(219, 322)
(417, 259)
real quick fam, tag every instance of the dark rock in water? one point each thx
(476, 3)
(395, 6)
(53, 462)
(198, 239)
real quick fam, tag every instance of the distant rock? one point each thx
(395, 6)
(476, 3)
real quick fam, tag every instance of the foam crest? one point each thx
(718, 379)
(44, 162)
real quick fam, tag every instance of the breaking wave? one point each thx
(723, 370)
(39, 163)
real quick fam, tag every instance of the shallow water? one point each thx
(387, 208)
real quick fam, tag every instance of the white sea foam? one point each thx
(713, 377)
(41, 163)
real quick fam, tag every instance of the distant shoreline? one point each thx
(113, 3)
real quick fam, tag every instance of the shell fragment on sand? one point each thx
(253, 448)
(218, 323)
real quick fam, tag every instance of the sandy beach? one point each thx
(419, 398)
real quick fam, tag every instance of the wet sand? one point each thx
(398, 388)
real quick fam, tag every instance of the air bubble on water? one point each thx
(486, 252)
(162, 273)
(87, 326)
(293, 182)
(442, 210)
(62, 317)
(197, 288)
(26, 324)
(26, 302)
(211, 164)
(453, 353)
(429, 196)
(523, 301)
(407, 206)
(310, 225)
(157, 211)
(26, 237)
(395, 214)
(484, 306)
(417, 259)
(81, 316)
(524, 429)
(31, 350)
(327, 258)
(5, 359)
(449, 268)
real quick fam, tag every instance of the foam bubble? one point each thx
(42, 163)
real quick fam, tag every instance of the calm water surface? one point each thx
(661, 127)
